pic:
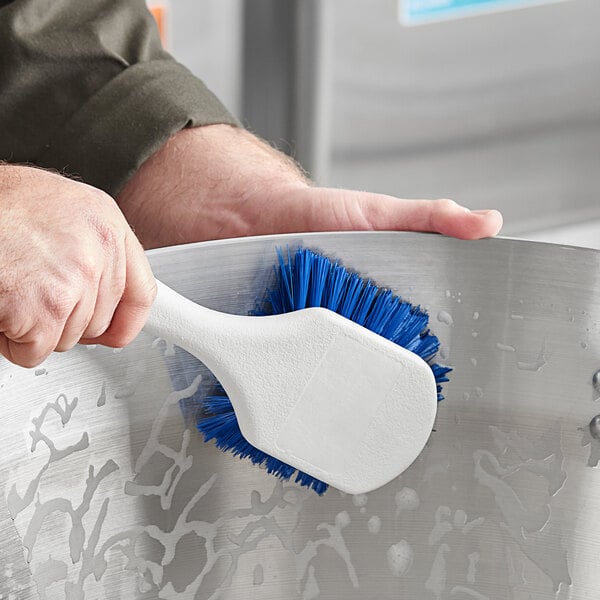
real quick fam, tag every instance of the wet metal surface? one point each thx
(106, 490)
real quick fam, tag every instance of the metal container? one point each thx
(107, 491)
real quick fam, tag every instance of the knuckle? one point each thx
(106, 232)
(86, 268)
(58, 304)
(13, 327)
(445, 204)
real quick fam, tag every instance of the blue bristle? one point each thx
(365, 303)
(334, 287)
(306, 280)
(320, 271)
(353, 288)
(382, 312)
(215, 405)
(301, 281)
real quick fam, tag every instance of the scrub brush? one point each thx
(308, 280)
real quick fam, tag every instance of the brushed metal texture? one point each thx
(106, 490)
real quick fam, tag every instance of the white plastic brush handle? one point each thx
(311, 387)
(203, 332)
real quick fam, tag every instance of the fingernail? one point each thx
(482, 212)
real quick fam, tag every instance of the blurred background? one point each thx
(493, 108)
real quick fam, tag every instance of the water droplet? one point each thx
(460, 518)
(360, 499)
(102, 398)
(445, 317)
(400, 558)
(474, 333)
(342, 519)
(517, 317)
(475, 316)
(407, 499)
(505, 347)
(595, 427)
(596, 381)
(474, 362)
(531, 366)
(374, 524)
(259, 576)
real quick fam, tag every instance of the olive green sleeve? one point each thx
(86, 88)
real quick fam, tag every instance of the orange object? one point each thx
(159, 12)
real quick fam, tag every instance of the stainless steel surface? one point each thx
(287, 78)
(500, 110)
(109, 494)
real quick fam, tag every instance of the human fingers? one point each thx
(26, 354)
(28, 336)
(100, 281)
(68, 279)
(77, 321)
(138, 295)
(382, 212)
(110, 291)
(93, 314)
(449, 218)
(326, 209)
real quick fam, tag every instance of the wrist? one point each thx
(203, 184)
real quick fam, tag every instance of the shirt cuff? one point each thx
(106, 141)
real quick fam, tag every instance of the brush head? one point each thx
(365, 396)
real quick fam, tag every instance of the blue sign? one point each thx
(414, 12)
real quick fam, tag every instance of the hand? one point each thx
(71, 268)
(218, 182)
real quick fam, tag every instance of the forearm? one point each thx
(220, 182)
(205, 183)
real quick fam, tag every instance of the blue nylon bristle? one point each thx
(306, 280)
(319, 274)
(334, 287)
